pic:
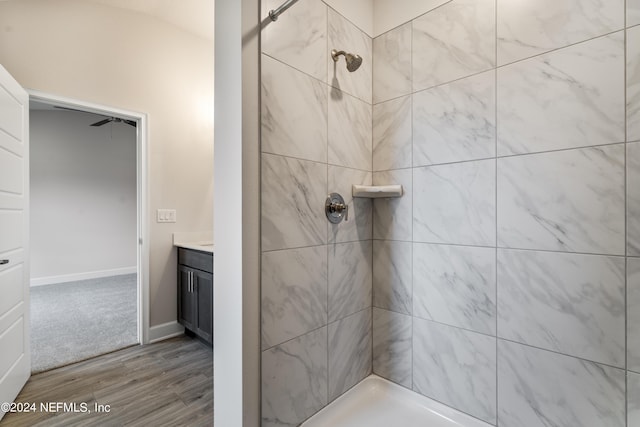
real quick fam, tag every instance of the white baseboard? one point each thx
(41, 281)
(165, 331)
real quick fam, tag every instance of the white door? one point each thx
(15, 356)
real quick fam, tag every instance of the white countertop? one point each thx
(198, 246)
(199, 241)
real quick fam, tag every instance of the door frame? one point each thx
(142, 193)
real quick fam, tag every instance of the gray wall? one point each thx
(504, 280)
(83, 195)
(316, 277)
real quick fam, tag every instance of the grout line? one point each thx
(412, 74)
(626, 230)
(448, 82)
(508, 156)
(395, 98)
(582, 359)
(412, 204)
(504, 248)
(373, 69)
(259, 221)
(495, 153)
(498, 338)
(326, 70)
(413, 19)
(295, 68)
(603, 35)
(318, 162)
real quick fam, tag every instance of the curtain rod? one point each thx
(274, 13)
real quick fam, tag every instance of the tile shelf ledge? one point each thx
(377, 191)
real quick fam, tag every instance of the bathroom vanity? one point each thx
(195, 291)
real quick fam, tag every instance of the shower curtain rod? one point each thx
(274, 13)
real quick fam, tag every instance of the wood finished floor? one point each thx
(169, 383)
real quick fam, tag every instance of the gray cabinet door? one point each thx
(186, 298)
(204, 317)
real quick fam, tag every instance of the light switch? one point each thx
(166, 215)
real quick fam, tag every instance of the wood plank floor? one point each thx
(169, 383)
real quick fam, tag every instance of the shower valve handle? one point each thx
(336, 209)
(341, 207)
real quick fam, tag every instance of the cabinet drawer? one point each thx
(196, 259)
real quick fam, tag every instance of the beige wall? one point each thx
(132, 61)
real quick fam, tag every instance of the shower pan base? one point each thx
(376, 402)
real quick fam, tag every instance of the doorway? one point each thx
(89, 233)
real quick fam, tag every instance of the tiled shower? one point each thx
(506, 281)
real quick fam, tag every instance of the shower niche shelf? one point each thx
(377, 191)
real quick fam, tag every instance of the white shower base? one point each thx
(376, 402)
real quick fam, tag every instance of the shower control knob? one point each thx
(335, 208)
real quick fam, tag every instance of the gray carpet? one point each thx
(75, 321)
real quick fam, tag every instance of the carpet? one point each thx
(75, 321)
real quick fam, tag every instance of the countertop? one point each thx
(199, 240)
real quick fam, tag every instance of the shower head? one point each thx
(353, 61)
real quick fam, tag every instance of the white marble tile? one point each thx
(350, 133)
(392, 134)
(568, 303)
(537, 388)
(343, 35)
(392, 64)
(633, 399)
(392, 346)
(350, 278)
(392, 276)
(568, 201)
(455, 40)
(455, 122)
(633, 15)
(455, 285)
(633, 199)
(294, 380)
(293, 194)
(294, 112)
(299, 37)
(359, 225)
(633, 314)
(392, 216)
(526, 29)
(455, 367)
(349, 352)
(633, 83)
(573, 97)
(455, 203)
(294, 293)
(388, 14)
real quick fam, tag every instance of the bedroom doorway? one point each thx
(89, 256)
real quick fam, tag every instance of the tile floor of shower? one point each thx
(376, 402)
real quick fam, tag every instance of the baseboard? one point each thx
(41, 281)
(165, 331)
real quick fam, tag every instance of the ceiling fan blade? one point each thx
(130, 122)
(103, 122)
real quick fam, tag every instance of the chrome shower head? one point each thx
(353, 61)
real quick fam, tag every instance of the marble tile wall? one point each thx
(514, 256)
(317, 138)
(506, 281)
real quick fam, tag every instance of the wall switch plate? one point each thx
(166, 215)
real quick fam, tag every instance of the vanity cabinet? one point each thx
(195, 292)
